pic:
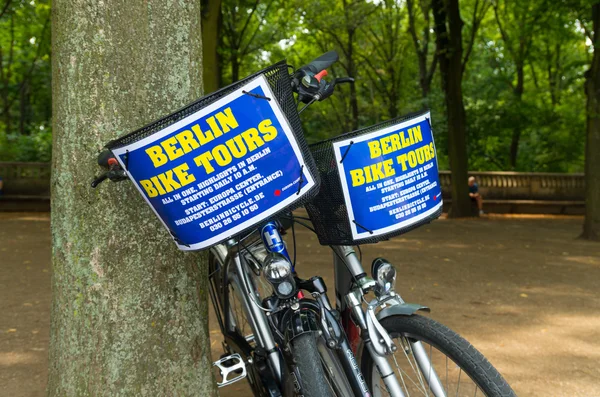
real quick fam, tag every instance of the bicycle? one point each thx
(277, 325)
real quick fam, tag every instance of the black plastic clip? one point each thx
(127, 160)
(256, 95)
(347, 150)
(301, 179)
(361, 226)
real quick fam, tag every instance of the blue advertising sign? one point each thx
(220, 170)
(389, 177)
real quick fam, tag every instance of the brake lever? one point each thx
(342, 80)
(115, 173)
(100, 179)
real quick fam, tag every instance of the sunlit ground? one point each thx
(523, 290)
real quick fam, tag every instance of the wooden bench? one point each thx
(525, 192)
(26, 186)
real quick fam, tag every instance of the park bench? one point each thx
(26, 186)
(525, 192)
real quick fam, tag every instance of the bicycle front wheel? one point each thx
(433, 360)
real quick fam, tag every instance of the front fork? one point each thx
(376, 341)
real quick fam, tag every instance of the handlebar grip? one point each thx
(104, 157)
(322, 62)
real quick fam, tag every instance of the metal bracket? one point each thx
(236, 364)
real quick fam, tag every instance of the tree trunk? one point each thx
(516, 135)
(352, 73)
(591, 224)
(211, 31)
(235, 67)
(449, 50)
(129, 311)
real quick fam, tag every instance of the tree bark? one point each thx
(516, 135)
(449, 51)
(591, 224)
(129, 311)
(211, 31)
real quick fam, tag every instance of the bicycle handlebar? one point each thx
(321, 63)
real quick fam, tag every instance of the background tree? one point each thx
(422, 42)
(518, 23)
(449, 45)
(211, 40)
(25, 105)
(388, 47)
(129, 311)
(591, 225)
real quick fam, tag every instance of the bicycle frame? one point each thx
(360, 331)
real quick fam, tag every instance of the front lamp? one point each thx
(384, 274)
(277, 271)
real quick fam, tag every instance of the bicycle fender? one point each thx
(301, 322)
(401, 309)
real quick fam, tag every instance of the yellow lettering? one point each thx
(404, 141)
(214, 127)
(395, 142)
(269, 131)
(203, 138)
(253, 140)
(412, 159)
(237, 147)
(187, 141)
(420, 154)
(377, 171)
(149, 188)
(182, 174)
(386, 148)
(417, 134)
(402, 161)
(357, 177)
(156, 155)
(221, 155)
(167, 179)
(432, 150)
(170, 147)
(427, 153)
(388, 168)
(227, 120)
(203, 160)
(374, 149)
(154, 180)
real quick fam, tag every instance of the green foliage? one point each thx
(25, 81)
(385, 50)
(376, 44)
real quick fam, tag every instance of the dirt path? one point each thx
(522, 290)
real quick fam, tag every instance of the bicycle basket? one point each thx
(225, 163)
(377, 182)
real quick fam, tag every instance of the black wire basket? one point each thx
(278, 78)
(328, 211)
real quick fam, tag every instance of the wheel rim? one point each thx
(414, 381)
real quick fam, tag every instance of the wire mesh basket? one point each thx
(267, 114)
(336, 223)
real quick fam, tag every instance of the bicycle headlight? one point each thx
(278, 272)
(384, 274)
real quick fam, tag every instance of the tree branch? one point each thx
(475, 23)
(5, 8)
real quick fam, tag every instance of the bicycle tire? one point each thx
(448, 342)
(306, 357)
